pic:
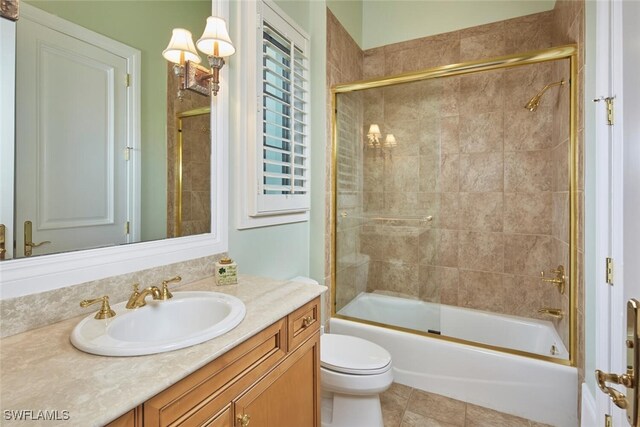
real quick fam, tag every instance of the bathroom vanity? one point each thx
(265, 372)
(270, 380)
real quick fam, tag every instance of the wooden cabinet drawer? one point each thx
(191, 401)
(133, 418)
(303, 322)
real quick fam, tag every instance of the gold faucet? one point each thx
(105, 311)
(137, 299)
(553, 312)
(165, 287)
(559, 280)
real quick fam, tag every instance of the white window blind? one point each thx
(283, 131)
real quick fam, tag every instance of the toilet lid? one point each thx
(352, 355)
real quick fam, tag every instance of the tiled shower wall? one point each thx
(495, 226)
(196, 162)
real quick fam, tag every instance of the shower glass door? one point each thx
(390, 181)
(452, 198)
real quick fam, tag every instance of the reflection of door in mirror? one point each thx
(73, 180)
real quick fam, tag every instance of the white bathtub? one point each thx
(534, 389)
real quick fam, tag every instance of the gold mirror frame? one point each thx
(569, 52)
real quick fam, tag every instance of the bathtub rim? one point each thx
(564, 362)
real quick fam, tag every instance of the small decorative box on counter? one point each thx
(226, 272)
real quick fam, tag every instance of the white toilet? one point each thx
(353, 372)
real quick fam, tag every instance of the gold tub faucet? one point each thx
(553, 312)
(137, 299)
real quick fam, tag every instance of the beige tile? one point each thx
(560, 216)
(448, 179)
(448, 214)
(386, 244)
(527, 254)
(560, 165)
(481, 251)
(527, 131)
(393, 402)
(481, 92)
(528, 213)
(531, 32)
(482, 46)
(373, 63)
(437, 407)
(449, 103)
(482, 132)
(481, 211)
(527, 171)
(481, 172)
(477, 416)
(450, 135)
(438, 284)
(395, 277)
(429, 172)
(522, 83)
(412, 101)
(481, 290)
(524, 295)
(401, 203)
(439, 247)
(401, 174)
(411, 419)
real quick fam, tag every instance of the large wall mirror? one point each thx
(95, 144)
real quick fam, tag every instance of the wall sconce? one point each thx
(390, 141)
(374, 135)
(215, 43)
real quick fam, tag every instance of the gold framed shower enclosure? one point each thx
(567, 52)
(179, 164)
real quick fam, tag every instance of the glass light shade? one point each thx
(216, 32)
(374, 130)
(390, 141)
(181, 42)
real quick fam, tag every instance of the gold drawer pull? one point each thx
(307, 321)
(244, 420)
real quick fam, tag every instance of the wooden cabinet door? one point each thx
(289, 396)
(223, 419)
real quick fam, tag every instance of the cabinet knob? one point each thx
(244, 420)
(307, 321)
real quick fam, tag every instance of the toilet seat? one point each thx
(353, 355)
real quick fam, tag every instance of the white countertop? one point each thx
(40, 369)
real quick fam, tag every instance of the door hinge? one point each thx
(609, 269)
(609, 104)
(127, 80)
(608, 422)
(127, 226)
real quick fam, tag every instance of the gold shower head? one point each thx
(534, 102)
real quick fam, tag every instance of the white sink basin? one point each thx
(187, 319)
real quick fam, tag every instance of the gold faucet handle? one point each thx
(105, 311)
(166, 294)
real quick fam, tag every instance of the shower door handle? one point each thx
(630, 379)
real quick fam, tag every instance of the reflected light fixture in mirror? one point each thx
(215, 43)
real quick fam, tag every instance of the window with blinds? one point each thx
(284, 131)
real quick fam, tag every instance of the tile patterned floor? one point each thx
(404, 406)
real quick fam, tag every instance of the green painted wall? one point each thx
(144, 25)
(386, 22)
(349, 13)
(590, 117)
(285, 251)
